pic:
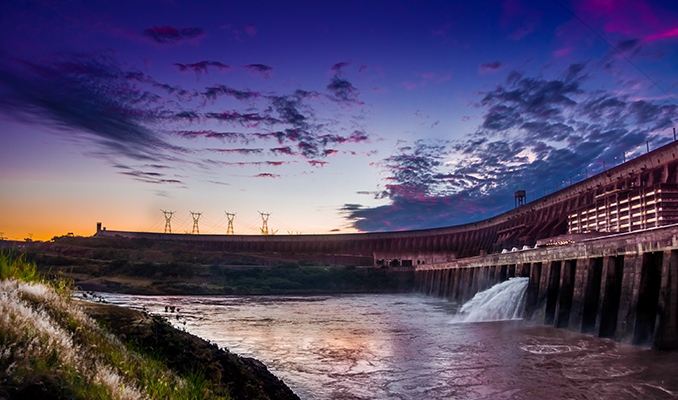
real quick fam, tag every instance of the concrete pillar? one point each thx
(524, 270)
(467, 284)
(532, 294)
(610, 290)
(454, 290)
(552, 292)
(578, 292)
(543, 285)
(592, 295)
(648, 299)
(503, 273)
(565, 294)
(666, 328)
(446, 282)
(493, 275)
(626, 318)
(484, 283)
(477, 272)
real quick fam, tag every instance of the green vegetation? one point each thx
(143, 266)
(49, 345)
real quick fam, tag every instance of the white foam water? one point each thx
(503, 301)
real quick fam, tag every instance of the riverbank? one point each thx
(138, 266)
(53, 347)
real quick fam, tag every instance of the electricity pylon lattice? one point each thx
(264, 222)
(168, 217)
(230, 216)
(196, 217)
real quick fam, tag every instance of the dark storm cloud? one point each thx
(259, 70)
(86, 93)
(536, 133)
(170, 35)
(201, 67)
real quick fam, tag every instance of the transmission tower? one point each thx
(196, 217)
(264, 222)
(168, 217)
(230, 216)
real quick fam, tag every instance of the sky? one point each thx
(333, 117)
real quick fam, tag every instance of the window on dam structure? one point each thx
(627, 209)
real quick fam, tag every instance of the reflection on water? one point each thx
(406, 347)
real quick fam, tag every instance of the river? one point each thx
(408, 346)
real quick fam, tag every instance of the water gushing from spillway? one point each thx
(503, 301)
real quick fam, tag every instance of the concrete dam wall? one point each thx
(601, 255)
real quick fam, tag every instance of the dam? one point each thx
(600, 254)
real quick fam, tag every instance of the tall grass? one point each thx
(14, 265)
(44, 336)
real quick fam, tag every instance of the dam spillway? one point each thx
(622, 286)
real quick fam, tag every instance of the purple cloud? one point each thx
(259, 70)
(535, 132)
(489, 67)
(170, 35)
(201, 67)
(266, 175)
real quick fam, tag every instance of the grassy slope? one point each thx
(154, 267)
(52, 348)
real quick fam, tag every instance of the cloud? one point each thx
(316, 163)
(338, 68)
(266, 175)
(170, 35)
(283, 150)
(489, 67)
(150, 177)
(249, 119)
(238, 151)
(259, 70)
(94, 99)
(251, 30)
(534, 132)
(88, 93)
(201, 67)
(342, 91)
(213, 92)
(225, 136)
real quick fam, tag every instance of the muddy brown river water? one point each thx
(408, 346)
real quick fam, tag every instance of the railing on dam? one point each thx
(621, 286)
